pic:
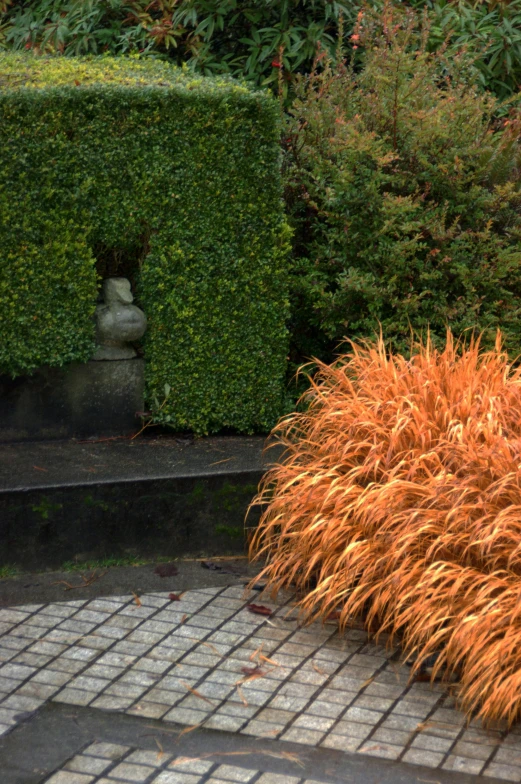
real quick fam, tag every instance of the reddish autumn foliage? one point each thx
(398, 501)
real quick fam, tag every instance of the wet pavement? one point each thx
(192, 672)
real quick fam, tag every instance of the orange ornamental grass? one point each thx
(398, 500)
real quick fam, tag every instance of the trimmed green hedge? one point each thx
(124, 156)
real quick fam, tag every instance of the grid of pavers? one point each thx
(108, 763)
(194, 662)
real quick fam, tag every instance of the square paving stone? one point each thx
(176, 777)
(363, 715)
(186, 715)
(341, 742)
(314, 723)
(330, 710)
(508, 755)
(352, 728)
(67, 777)
(262, 729)
(507, 772)
(225, 723)
(191, 765)
(395, 737)
(51, 677)
(418, 710)
(128, 772)
(473, 750)
(75, 697)
(276, 778)
(40, 690)
(423, 757)
(151, 710)
(110, 751)
(231, 708)
(432, 743)
(108, 702)
(234, 773)
(379, 749)
(86, 764)
(301, 735)
(381, 704)
(275, 716)
(463, 764)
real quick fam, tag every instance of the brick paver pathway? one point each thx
(207, 661)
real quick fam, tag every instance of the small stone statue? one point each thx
(118, 321)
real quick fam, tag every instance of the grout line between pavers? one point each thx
(272, 653)
(211, 670)
(53, 659)
(137, 658)
(101, 651)
(385, 714)
(179, 661)
(417, 733)
(491, 757)
(316, 694)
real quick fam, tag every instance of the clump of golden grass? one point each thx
(398, 500)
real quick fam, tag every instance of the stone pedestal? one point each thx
(94, 399)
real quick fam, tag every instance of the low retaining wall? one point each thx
(63, 501)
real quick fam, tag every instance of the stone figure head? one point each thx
(116, 291)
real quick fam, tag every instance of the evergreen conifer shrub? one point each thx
(402, 185)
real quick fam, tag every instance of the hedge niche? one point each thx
(176, 177)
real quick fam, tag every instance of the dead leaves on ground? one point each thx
(290, 756)
(86, 581)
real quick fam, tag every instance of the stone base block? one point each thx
(79, 401)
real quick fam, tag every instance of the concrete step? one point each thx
(163, 496)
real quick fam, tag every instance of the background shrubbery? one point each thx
(403, 189)
(250, 39)
(166, 177)
(401, 155)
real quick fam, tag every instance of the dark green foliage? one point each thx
(245, 39)
(214, 36)
(491, 31)
(404, 193)
(138, 163)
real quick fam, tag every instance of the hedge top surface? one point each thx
(20, 71)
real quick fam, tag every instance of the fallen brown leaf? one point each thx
(252, 671)
(256, 652)
(241, 695)
(166, 570)
(268, 661)
(259, 609)
(86, 581)
(187, 730)
(196, 693)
